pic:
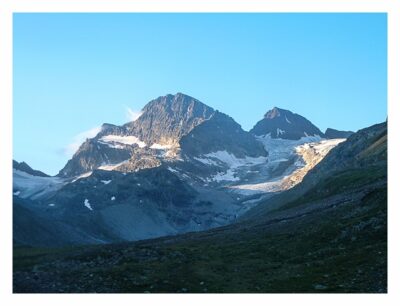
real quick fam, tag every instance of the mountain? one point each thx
(221, 170)
(327, 234)
(332, 133)
(158, 133)
(280, 123)
(23, 166)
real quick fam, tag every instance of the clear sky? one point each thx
(73, 72)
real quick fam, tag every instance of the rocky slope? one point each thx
(280, 123)
(330, 237)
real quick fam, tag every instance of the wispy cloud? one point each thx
(131, 114)
(71, 148)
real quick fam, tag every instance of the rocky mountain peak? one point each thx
(281, 123)
(178, 105)
(169, 117)
(275, 112)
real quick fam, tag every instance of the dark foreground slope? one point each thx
(332, 238)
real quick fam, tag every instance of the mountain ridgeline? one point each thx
(177, 122)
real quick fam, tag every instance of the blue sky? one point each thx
(73, 72)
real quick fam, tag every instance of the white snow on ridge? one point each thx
(287, 120)
(106, 182)
(87, 204)
(114, 141)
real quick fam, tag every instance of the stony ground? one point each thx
(334, 243)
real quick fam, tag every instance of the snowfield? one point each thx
(34, 187)
(115, 141)
(226, 159)
(229, 159)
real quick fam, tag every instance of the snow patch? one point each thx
(231, 161)
(287, 120)
(111, 167)
(172, 170)
(115, 141)
(158, 146)
(86, 174)
(234, 162)
(227, 176)
(265, 187)
(87, 204)
(112, 198)
(280, 132)
(17, 193)
(206, 161)
(106, 182)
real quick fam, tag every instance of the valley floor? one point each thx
(337, 243)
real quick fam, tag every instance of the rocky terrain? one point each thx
(332, 133)
(326, 234)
